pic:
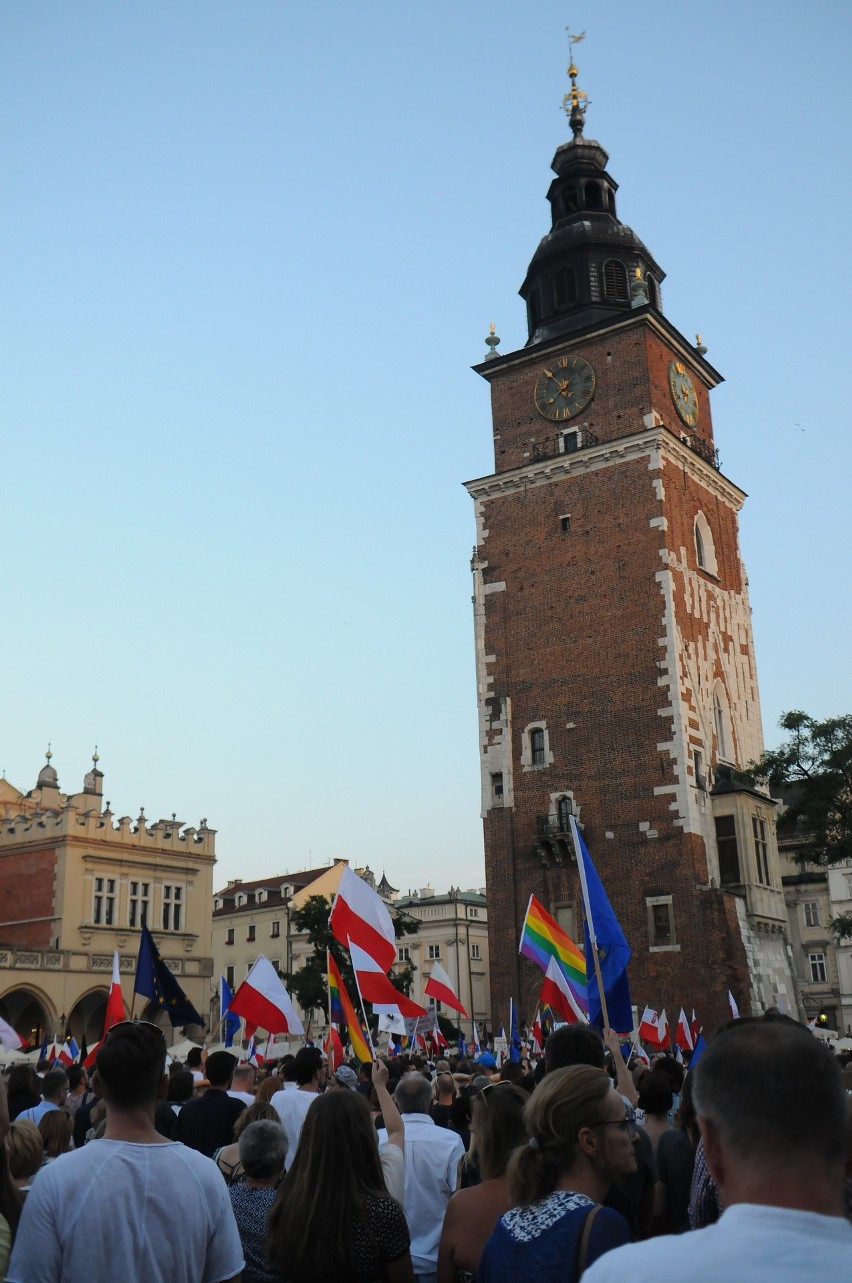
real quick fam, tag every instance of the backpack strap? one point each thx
(583, 1249)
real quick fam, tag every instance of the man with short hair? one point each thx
(445, 1094)
(132, 1206)
(242, 1083)
(54, 1093)
(207, 1122)
(773, 1115)
(292, 1106)
(431, 1156)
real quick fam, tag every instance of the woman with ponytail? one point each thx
(581, 1137)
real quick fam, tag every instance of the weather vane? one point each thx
(575, 102)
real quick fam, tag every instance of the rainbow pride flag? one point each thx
(542, 939)
(342, 1012)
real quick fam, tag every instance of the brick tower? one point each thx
(615, 663)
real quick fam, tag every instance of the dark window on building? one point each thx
(533, 310)
(250, 934)
(761, 850)
(811, 909)
(563, 812)
(569, 441)
(654, 293)
(817, 966)
(661, 922)
(276, 930)
(700, 555)
(229, 938)
(564, 287)
(537, 746)
(497, 788)
(565, 525)
(726, 845)
(229, 977)
(615, 281)
(475, 952)
(698, 768)
(594, 197)
(569, 200)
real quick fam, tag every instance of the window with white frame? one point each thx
(433, 951)
(661, 928)
(138, 903)
(435, 1005)
(816, 962)
(810, 908)
(260, 896)
(103, 902)
(403, 953)
(472, 912)
(476, 953)
(172, 907)
(537, 746)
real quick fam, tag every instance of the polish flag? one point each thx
(663, 1026)
(694, 1028)
(649, 1029)
(556, 994)
(438, 1038)
(535, 1032)
(641, 1053)
(333, 1048)
(735, 1011)
(263, 1000)
(358, 914)
(476, 1046)
(683, 1037)
(440, 986)
(8, 1038)
(115, 1002)
(89, 1062)
(374, 985)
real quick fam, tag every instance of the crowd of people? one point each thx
(576, 1166)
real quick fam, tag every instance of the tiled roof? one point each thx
(272, 885)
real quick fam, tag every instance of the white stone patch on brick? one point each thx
(498, 586)
(684, 804)
(659, 489)
(659, 523)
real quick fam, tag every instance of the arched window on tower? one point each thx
(615, 281)
(594, 196)
(705, 550)
(563, 813)
(569, 200)
(654, 293)
(537, 746)
(564, 287)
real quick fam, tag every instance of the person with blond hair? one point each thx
(25, 1152)
(581, 1137)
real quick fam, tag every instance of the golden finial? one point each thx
(48, 754)
(95, 758)
(575, 102)
(491, 342)
(637, 272)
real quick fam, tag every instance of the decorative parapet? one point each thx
(66, 960)
(99, 826)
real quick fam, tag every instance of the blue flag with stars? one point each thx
(603, 931)
(155, 981)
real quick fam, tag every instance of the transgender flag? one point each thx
(542, 939)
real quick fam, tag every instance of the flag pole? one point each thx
(589, 920)
(364, 1013)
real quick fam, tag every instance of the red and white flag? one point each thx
(8, 1038)
(374, 985)
(641, 1053)
(440, 986)
(649, 1027)
(476, 1047)
(694, 1028)
(438, 1039)
(360, 915)
(115, 1002)
(535, 1031)
(263, 1000)
(663, 1027)
(735, 1011)
(556, 994)
(683, 1037)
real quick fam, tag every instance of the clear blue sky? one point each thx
(250, 252)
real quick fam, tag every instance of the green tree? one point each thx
(309, 984)
(814, 767)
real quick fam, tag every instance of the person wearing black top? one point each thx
(207, 1123)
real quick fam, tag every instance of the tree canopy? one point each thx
(813, 766)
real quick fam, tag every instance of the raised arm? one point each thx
(392, 1118)
(623, 1078)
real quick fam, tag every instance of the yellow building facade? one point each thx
(75, 884)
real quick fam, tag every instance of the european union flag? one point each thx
(155, 981)
(230, 1024)
(515, 1045)
(700, 1048)
(604, 935)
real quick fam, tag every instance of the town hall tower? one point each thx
(615, 662)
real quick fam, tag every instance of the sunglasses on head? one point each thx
(136, 1024)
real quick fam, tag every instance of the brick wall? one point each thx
(27, 884)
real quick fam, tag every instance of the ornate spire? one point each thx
(575, 102)
(491, 343)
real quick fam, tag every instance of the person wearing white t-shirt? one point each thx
(773, 1115)
(292, 1106)
(132, 1206)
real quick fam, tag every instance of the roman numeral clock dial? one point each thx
(565, 386)
(683, 393)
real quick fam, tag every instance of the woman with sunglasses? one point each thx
(581, 1137)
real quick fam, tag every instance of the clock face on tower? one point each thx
(683, 393)
(565, 386)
